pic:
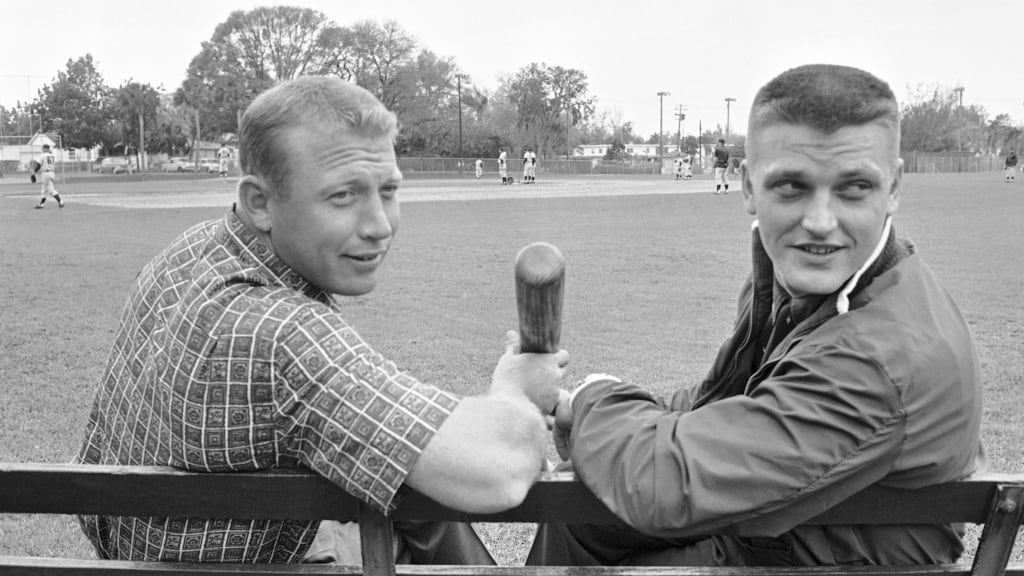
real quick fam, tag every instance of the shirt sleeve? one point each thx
(823, 426)
(349, 413)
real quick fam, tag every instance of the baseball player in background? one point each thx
(45, 165)
(503, 166)
(678, 165)
(479, 164)
(532, 167)
(224, 156)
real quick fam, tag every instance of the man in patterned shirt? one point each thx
(233, 355)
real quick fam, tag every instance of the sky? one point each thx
(699, 52)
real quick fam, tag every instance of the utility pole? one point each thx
(959, 129)
(700, 142)
(661, 117)
(458, 79)
(680, 116)
(728, 101)
(568, 118)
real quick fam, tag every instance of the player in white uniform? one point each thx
(526, 166)
(532, 176)
(503, 167)
(479, 168)
(46, 166)
(224, 156)
(678, 165)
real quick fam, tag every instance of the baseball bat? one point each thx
(540, 279)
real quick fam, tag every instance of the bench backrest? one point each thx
(995, 500)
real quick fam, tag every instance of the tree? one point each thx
(379, 58)
(173, 126)
(1001, 135)
(78, 105)
(934, 121)
(429, 113)
(138, 103)
(616, 151)
(548, 100)
(251, 51)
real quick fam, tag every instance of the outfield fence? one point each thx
(933, 162)
(14, 162)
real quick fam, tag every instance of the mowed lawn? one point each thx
(650, 293)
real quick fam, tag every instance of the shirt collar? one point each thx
(258, 251)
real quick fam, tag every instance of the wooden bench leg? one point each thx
(377, 541)
(1000, 531)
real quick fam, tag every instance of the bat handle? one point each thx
(540, 282)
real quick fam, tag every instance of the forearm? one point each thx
(769, 461)
(485, 456)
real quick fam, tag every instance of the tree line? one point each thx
(442, 111)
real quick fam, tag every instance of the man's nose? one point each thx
(373, 221)
(819, 215)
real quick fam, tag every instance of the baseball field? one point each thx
(653, 269)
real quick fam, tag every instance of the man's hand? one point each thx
(562, 429)
(32, 177)
(538, 376)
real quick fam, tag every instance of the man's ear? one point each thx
(894, 190)
(254, 200)
(748, 188)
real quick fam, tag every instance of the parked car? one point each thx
(180, 164)
(209, 165)
(112, 165)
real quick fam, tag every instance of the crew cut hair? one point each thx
(825, 97)
(323, 101)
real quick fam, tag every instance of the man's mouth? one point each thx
(367, 257)
(818, 250)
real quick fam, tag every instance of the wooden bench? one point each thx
(995, 500)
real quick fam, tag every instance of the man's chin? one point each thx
(811, 285)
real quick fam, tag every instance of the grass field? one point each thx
(653, 272)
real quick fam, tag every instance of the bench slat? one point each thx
(17, 566)
(301, 495)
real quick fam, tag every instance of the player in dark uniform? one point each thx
(721, 167)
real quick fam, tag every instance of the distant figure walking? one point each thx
(45, 165)
(1011, 166)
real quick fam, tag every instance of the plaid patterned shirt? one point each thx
(226, 359)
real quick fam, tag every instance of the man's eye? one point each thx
(787, 187)
(857, 188)
(388, 192)
(341, 196)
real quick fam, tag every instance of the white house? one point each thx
(635, 150)
(21, 152)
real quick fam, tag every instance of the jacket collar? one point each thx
(884, 256)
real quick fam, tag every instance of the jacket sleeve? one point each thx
(827, 423)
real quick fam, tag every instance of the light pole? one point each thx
(661, 117)
(728, 101)
(680, 116)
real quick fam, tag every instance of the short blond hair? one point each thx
(314, 100)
